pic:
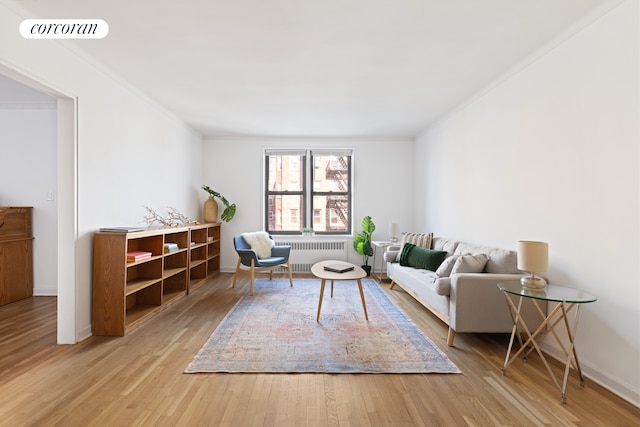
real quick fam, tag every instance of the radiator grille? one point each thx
(306, 253)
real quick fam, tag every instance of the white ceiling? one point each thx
(314, 67)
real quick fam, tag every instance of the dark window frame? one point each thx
(347, 193)
(307, 192)
(269, 192)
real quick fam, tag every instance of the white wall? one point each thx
(383, 180)
(552, 153)
(27, 175)
(130, 151)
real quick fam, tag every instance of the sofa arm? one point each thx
(477, 305)
(391, 253)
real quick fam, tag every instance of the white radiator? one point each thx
(305, 253)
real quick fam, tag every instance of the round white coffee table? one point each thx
(356, 273)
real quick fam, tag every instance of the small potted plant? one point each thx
(362, 242)
(211, 207)
(307, 231)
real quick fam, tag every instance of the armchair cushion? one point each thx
(260, 242)
(271, 261)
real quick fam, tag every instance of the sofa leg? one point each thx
(392, 285)
(450, 337)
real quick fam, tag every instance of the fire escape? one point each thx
(339, 204)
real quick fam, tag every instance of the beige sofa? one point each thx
(462, 291)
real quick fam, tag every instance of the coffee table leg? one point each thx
(364, 304)
(320, 302)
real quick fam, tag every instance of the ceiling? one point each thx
(315, 68)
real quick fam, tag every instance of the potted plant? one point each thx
(211, 211)
(307, 231)
(362, 242)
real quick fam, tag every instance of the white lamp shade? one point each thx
(533, 256)
(394, 229)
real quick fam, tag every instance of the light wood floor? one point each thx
(137, 380)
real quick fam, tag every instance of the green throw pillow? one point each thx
(406, 248)
(426, 259)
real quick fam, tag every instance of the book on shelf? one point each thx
(170, 248)
(209, 239)
(134, 256)
(121, 229)
(339, 268)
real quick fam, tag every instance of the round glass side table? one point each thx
(566, 300)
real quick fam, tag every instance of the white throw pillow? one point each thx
(447, 265)
(470, 264)
(259, 242)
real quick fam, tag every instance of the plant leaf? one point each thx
(228, 213)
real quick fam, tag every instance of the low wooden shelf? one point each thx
(125, 294)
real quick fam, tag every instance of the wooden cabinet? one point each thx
(127, 292)
(16, 254)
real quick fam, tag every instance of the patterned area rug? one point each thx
(275, 331)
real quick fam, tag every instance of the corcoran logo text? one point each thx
(64, 29)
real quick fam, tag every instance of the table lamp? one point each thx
(533, 257)
(394, 229)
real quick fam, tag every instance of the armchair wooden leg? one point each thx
(253, 276)
(233, 285)
(290, 277)
(450, 337)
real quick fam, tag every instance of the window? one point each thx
(325, 204)
(332, 196)
(285, 190)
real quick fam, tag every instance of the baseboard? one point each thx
(45, 292)
(617, 386)
(84, 333)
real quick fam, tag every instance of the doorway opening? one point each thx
(28, 99)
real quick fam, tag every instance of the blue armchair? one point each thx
(249, 263)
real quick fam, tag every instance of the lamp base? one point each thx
(533, 282)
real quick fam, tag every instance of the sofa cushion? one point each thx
(444, 244)
(421, 284)
(443, 286)
(502, 261)
(465, 248)
(417, 257)
(447, 265)
(470, 264)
